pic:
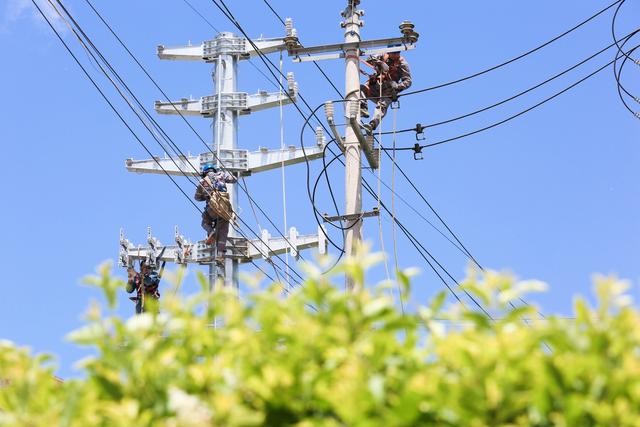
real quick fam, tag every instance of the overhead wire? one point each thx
(270, 67)
(519, 94)
(220, 162)
(365, 185)
(125, 98)
(525, 54)
(508, 119)
(223, 8)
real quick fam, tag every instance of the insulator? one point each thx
(319, 136)
(290, 81)
(328, 109)
(354, 106)
(288, 25)
(406, 27)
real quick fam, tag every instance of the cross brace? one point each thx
(242, 102)
(240, 249)
(228, 44)
(351, 217)
(241, 161)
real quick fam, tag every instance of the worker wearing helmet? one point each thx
(391, 76)
(145, 283)
(216, 224)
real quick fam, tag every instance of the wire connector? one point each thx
(417, 152)
(420, 136)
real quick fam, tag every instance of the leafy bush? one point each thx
(321, 357)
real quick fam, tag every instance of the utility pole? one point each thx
(354, 141)
(353, 165)
(225, 107)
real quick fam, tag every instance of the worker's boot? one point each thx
(364, 110)
(371, 126)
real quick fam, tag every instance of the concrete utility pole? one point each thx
(354, 139)
(353, 165)
(224, 107)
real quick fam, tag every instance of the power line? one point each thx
(122, 119)
(250, 198)
(508, 119)
(230, 16)
(511, 98)
(529, 52)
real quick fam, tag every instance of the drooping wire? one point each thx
(511, 98)
(508, 119)
(227, 12)
(527, 53)
(126, 100)
(220, 162)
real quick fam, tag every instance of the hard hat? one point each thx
(208, 167)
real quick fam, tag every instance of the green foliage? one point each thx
(322, 357)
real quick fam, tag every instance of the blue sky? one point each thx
(552, 195)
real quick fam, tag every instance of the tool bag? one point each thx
(219, 203)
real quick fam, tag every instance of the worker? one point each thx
(218, 211)
(391, 76)
(145, 283)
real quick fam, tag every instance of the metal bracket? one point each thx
(366, 143)
(229, 44)
(351, 217)
(233, 160)
(329, 112)
(243, 103)
(240, 249)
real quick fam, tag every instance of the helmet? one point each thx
(208, 167)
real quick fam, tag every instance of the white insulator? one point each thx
(353, 108)
(328, 110)
(291, 81)
(319, 136)
(288, 25)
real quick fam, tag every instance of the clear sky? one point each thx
(551, 195)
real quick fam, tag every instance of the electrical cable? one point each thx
(124, 97)
(265, 60)
(613, 34)
(270, 67)
(433, 144)
(511, 98)
(220, 162)
(529, 52)
(218, 31)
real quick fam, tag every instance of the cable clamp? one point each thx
(420, 136)
(395, 102)
(417, 152)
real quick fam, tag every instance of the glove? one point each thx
(395, 86)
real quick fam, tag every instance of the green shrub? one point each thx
(322, 357)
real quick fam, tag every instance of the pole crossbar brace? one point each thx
(368, 47)
(242, 250)
(351, 217)
(366, 143)
(241, 161)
